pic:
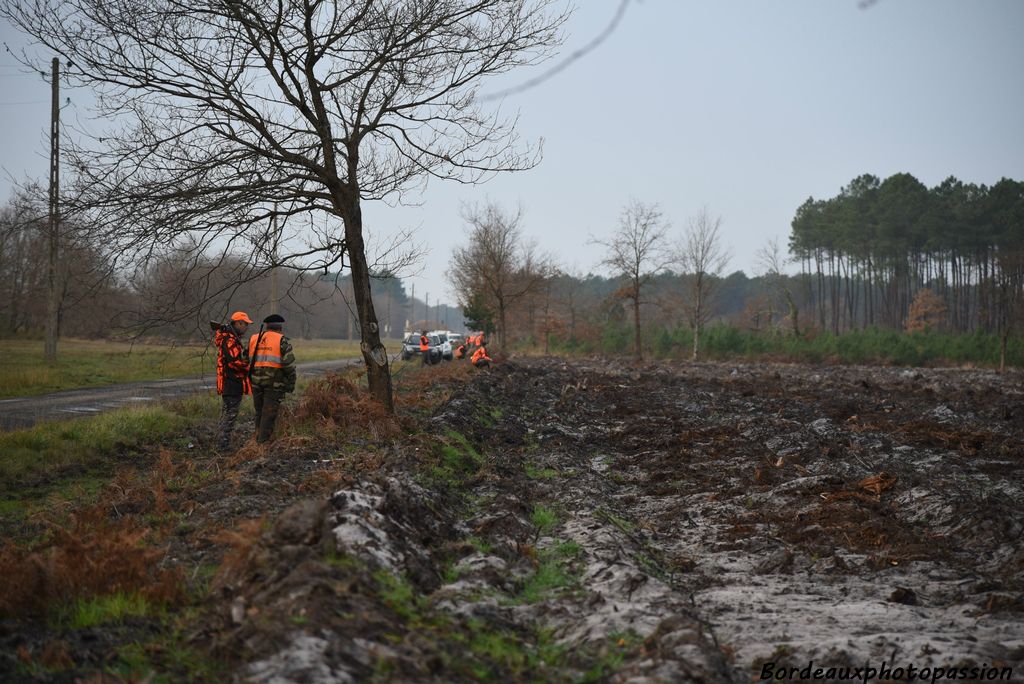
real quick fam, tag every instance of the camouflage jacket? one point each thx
(278, 378)
(232, 363)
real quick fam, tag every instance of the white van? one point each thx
(445, 343)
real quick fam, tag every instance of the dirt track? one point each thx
(719, 517)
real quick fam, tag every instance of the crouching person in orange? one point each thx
(273, 374)
(232, 373)
(480, 358)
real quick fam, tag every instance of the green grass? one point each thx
(101, 610)
(165, 659)
(554, 574)
(399, 595)
(481, 545)
(535, 473)
(544, 519)
(550, 576)
(82, 443)
(487, 652)
(93, 363)
(456, 461)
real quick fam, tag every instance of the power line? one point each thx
(12, 104)
(561, 66)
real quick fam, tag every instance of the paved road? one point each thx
(22, 412)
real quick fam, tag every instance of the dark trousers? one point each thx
(228, 416)
(266, 402)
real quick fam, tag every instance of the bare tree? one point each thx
(232, 113)
(771, 263)
(497, 265)
(702, 258)
(637, 252)
(46, 275)
(570, 285)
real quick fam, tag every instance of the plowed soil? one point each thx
(593, 521)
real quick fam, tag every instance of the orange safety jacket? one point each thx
(232, 366)
(460, 351)
(480, 355)
(424, 343)
(268, 353)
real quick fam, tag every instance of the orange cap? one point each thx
(241, 316)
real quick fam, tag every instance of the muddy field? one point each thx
(591, 521)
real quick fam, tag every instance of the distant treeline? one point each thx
(752, 321)
(869, 251)
(881, 258)
(725, 341)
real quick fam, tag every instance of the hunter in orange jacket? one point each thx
(480, 358)
(232, 373)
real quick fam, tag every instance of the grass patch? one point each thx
(399, 595)
(554, 573)
(481, 545)
(544, 519)
(101, 610)
(535, 473)
(550, 576)
(93, 363)
(166, 659)
(82, 443)
(455, 461)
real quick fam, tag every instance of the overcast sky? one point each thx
(747, 107)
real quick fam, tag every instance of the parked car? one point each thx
(445, 343)
(411, 347)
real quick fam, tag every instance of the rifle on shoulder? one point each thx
(252, 359)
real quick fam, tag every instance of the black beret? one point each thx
(274, 318)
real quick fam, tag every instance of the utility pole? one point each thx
(412, 306)
(426, 310)
(387, 314)
(273, 265)
(53, 304)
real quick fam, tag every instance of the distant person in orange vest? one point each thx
(480, 358)
(232, 373)
(460, 351)
(273, 374)
(425, 347)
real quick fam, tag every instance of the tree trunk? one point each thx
(636, 326)
(794, 314)
(378, 374)
(1002, 350)
(697, 314)
(501, 324)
